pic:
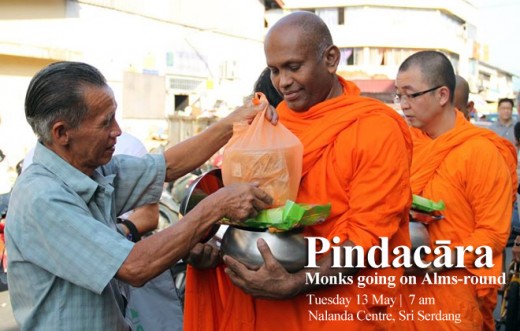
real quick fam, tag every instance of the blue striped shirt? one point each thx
(64, 249)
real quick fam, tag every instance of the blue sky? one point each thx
(499, 27)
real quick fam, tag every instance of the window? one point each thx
(328, 15)
(341, 16)
(271, 4)
(181, 102)
(347, 56)
(359, 56)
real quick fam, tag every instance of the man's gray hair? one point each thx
(57, 93)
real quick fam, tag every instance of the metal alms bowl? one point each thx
(289, 248)
(419, 235)
(419, 220)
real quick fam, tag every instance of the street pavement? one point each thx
(7, 322)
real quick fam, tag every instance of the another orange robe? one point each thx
(474, 172)
(357, 154)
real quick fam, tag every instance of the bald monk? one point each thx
(357, 154)
(461, 97)
(473, 172)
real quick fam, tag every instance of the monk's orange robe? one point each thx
(474, 172)
(357, 154)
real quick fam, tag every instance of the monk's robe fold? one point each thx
(357, 154)
(474, 172)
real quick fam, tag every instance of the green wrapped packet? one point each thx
(426, 205)
(289, 216)
(266, 218)
(315, 214)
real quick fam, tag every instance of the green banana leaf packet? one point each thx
(292, 215)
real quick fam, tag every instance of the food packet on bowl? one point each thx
(285, 218)
(425, 210)
(268, 154)
(426, 205)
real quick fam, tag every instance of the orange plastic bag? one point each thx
(268, 154)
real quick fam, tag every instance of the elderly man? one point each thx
(473, 171)
(357, 154)
(66, 258)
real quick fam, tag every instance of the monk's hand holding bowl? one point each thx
(270, 281)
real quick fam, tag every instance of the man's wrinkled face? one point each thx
(297, 71)
(93, 141)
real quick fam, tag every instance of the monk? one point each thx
(473, 171)
(461, 97)
(357, 154)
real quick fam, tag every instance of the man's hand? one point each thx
(270, 281)
(516, 250)
(248, 112)
(240, 201)
(203, 256)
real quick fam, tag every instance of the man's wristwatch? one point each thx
(133, 234)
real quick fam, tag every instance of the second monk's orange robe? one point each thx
(474, 172)
(357, 154)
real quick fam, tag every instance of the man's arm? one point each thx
(152, 255)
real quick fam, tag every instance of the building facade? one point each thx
(162, 58)
(171, 58)
(375, 36)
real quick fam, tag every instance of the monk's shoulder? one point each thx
(478, 145)
(477, 152)
(380, 124)
(372, 131)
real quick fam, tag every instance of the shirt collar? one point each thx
(510, 123)
(80, 183)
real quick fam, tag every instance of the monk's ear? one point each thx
(445, 95)
(331, 57)
(60, 133)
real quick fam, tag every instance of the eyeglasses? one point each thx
(399, 98)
